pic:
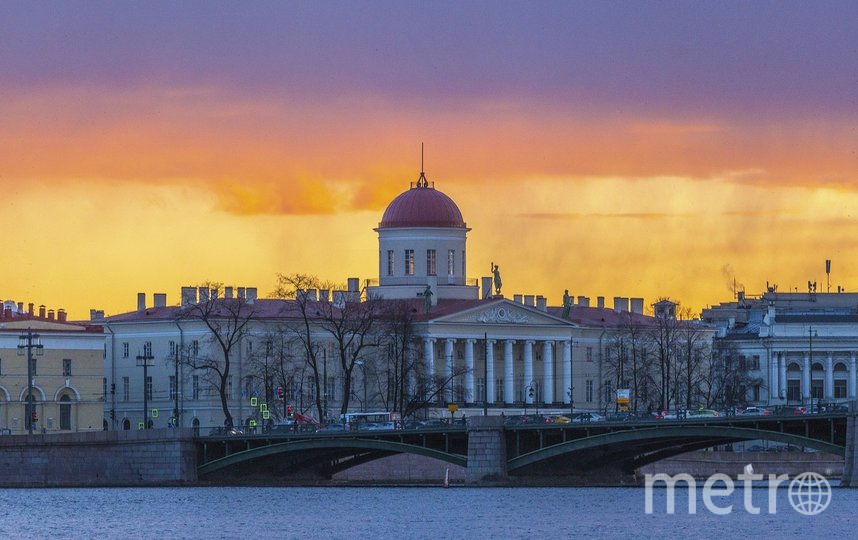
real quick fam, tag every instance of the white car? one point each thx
(755, 411)
(588, 417)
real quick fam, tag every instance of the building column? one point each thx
(528, 370)
(783, 377)
(508, 373)
(469, 371)
(547, 372)
(429, 358)
(448, 368)
(490, 371)
(774, 376)
(567, 372)
(829, 377)
(805, 378)
(853, 381)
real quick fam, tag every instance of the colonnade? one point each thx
(781, 360)
(527, 379)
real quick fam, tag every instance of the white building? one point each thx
(486, 349)
(801, 346)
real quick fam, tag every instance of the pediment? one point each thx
(503, 312)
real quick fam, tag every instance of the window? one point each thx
(126, 388)
(840, 388)
(172, 348)
(66, 367)
(195, 387)
(463, 262)
(390, 262)
(149, 388)
(609, 392)
(249, 347)
(430, 262)
(589, 356)
(451, 262)
(195, 347)
(35, 365)
(125, 350)
(147, 348)
(269, 348)
(754, 362)
(793, 390)
(229, 387)
(816, 389)
(755, 392)
(409, 262)
(588, 394)
(65, 413)
(332, 389)
(499, 390)
(481, 389)
(172, 387)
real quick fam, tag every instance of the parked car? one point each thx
(587, 417)
(755, 411)
(223, 431)
(709, 413)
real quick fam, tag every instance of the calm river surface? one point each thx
(407, 513)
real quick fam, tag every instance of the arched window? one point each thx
(65, 413)
(126, 424)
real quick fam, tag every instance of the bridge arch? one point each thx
(359, 445)
(664, 438)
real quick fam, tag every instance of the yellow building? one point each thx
(67, 379)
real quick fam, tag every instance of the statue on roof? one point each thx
(497, 278)
(427, 298)
(567, 303)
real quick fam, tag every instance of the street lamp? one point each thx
(529, 391)
(30, 341)
(143, 360)
(810, 333)
(571, 391)
(362, 365)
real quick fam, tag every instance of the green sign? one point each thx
(139, 425)
(266, 414)
(253, 401)
(154, 413)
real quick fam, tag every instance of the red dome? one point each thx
(422, 206)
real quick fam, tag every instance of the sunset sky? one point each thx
(611, 148)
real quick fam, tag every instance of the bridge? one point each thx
(493, 452)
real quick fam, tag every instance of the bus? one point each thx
(360, 421)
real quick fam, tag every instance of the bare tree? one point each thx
(227, 320)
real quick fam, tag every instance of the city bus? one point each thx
(359, 421)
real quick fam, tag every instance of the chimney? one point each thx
(241, 292)
(340, 298)
(621, 304)
(227, 292)
(311, 295)
(324, 295)
(7, 313)
(160, 299)
(528, 300)
(600, 301)
(189, 296)
(541, 303)
(638, 305)
(21, 307)
(517, 298)
(61, 315)
(141, 301)
(42, 312)
(204, 294)
(30, 309)
(92, 314)
(486, 285)
(354, 284)
(250, 294)
(50, 314)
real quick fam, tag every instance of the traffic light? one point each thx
(112, 414)
(289, 411)
(280, 392)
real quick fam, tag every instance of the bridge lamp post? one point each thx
(362, 365)
(143, 360)
(570, 391)
(30, 341)
(810, 334)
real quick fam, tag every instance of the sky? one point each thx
(636, 149)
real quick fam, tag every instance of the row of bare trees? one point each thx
(670, 363)
(297, 347)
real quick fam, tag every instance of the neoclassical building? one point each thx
(68, 386)
(487, 350)
(802, 347)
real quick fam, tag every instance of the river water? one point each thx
(406, 513)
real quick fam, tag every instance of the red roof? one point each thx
(422, 206)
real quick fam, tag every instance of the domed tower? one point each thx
(421, 241)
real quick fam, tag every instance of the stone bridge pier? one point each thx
(850, 462)
(486, 450)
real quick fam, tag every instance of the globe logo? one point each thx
(809, 493)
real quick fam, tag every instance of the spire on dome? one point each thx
(422, 182)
